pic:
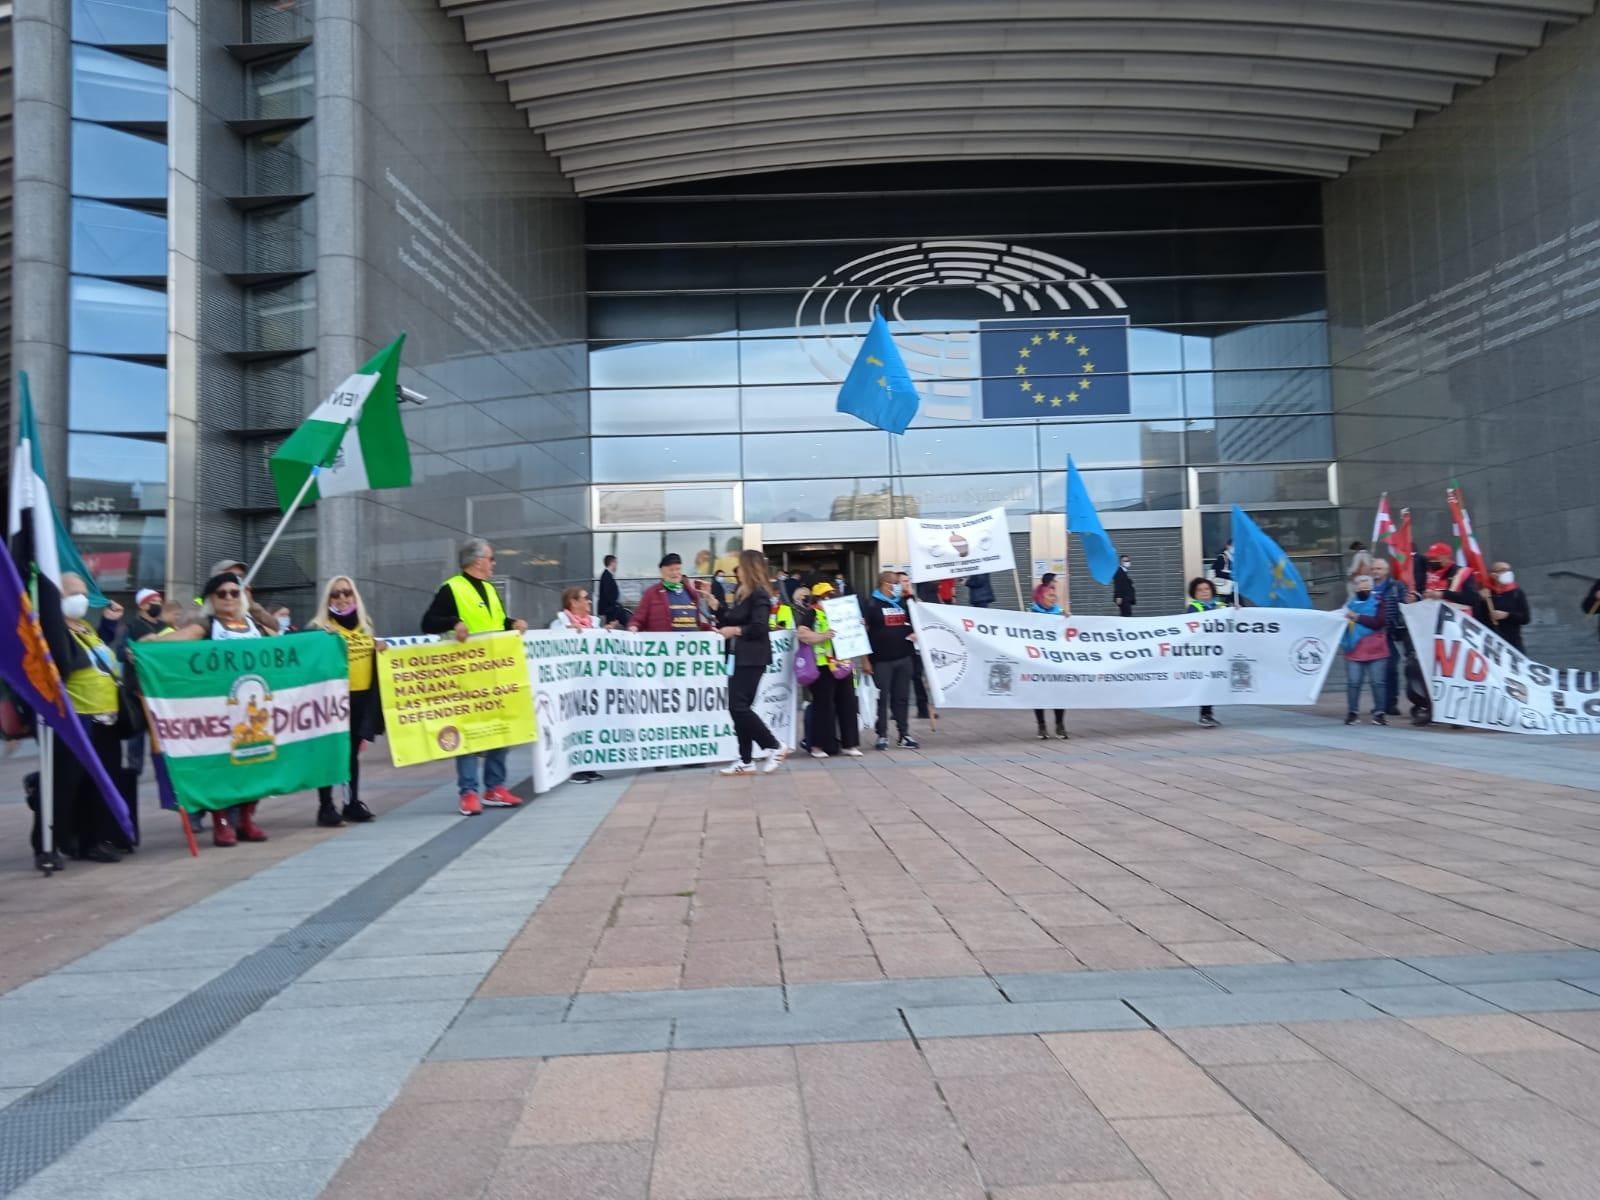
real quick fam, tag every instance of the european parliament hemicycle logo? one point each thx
(1056, 344)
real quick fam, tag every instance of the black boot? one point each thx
(327, 815)
(1061, 732)
(1044, 734)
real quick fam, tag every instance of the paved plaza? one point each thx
(1285, 958)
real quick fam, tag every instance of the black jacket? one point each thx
(753, 646)
(888, 631)
(1591, 602)
(980, 592)
(1515, 605)
(608, 596)
(1122, 587)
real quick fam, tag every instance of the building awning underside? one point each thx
(640, 93)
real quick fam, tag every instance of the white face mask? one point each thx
(283, 624)
(1507, 577)
(75, 608)
(1126, 563)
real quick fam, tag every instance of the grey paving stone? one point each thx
(1535, 995)
(734, 1005)
(373, 1084)
(401, 966)
(386, 943)
(302, 1180)
(1313, 976)
(375, 993)
(1423, 1000)
(790, 1029)
(1252, 1008)
(1056, 1016)
(1105, 985)
(201, 1141)
(122, 983)
(1588, 985)
(890, 994)
(550, 1041)
(1494, 968)
(516, 1010)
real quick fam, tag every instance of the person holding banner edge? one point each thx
(344, 615)
(1203, 598)
(1044, 601)
(745, 626)
(466, 604)
(893, 658)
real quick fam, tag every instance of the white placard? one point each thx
(984, 658)
(1475, 678)
(964, 546)
(846, 626)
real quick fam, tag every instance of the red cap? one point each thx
(1443, 551)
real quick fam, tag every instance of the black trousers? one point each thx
(752, 731)
(360, 706)
(1061, 717)
(82, 820)
(894, 692)
(835, 714)
(1125, 607)
(919, 686)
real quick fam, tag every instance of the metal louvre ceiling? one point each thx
(639, 93)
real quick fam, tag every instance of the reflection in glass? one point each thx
(120, 22)
(1112, 444)
(115, 474)
(117, 318)
(1271, 485)
(795, 500)
(114, 165)
(702, 551)
(666, 506)
(110, 239)
(1128, 491)
(813, 455)
(107, 395)
(1261, 439)
(664, 410)
(280, 89)
(962, 495)
(123, 553)
(665, 459)
(113, 87)
(967, 449)
(665, 364)
(784, 409)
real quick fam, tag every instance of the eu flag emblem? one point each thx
(1061, 367)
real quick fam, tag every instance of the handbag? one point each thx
(805, 665)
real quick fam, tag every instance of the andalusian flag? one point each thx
(239, 720)
(355, 437)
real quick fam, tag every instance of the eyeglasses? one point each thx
(585, 596)
(227, 593)
(345, 593)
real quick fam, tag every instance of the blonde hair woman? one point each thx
(744, 624)
(342, 613)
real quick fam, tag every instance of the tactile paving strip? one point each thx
(39, 1128)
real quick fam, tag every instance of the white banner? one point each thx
(954, 549)
(981, 658)
(1476, 679)
(845, 624)
(622, 701)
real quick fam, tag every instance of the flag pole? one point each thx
(255, 567)
(1066, 546)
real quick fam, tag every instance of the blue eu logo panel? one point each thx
(1054, 367)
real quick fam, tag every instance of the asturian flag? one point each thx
(354, 440)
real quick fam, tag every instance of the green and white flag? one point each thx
(239, 720)
(354, 439)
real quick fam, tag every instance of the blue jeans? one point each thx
(494, 770)
(1357, 673)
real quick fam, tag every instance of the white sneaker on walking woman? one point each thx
(739, 768)
(775, 760)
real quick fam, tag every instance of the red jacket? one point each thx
(654, 614)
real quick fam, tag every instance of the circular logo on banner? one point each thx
(449, 739)
(948, 654)
(545, 712)
(1308, 655)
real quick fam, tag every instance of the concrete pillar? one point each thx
(41, 77)
(183, 299)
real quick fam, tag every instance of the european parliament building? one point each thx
(1231, 251)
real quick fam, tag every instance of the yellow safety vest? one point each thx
(781, 617)
(480, 614)
(93, 689)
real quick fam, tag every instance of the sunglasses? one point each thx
(227, 593)
(344, 593)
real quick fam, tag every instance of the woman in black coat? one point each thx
(744, 624)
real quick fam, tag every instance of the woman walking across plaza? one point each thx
(342, 613)
(1044, 601)
(744, 623)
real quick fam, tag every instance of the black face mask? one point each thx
(1363, 595)
(153, 611)
(348, 620)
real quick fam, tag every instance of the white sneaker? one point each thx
(852, 752)
(739, 768)
(776, 760)
(819, 754)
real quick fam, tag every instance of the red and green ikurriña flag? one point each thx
(240, 720)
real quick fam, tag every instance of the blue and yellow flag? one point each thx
(878, 388)
(1262, 572)
(1084, 520)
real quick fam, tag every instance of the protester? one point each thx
(980, 591)
(1122, 589)
(790, 582)
(1591, 602)
(835, 719)
(672, 606)
(783, 611)
(1203, 598)
(1221, 576)
(83, 824)
(1448, 582)
(841, 585)
(719, 590)
(947, 591)
(228, 615)
(467, 604)
(232, 566)
(919, 685)
(345, 615)
(577, 612)
(284, 619)
(1390, 594)
(744, 624)
(1365, 645)
(146, 620)
(893, 655)
(1507, 604)
(1044, 601)
(609, 604)
(1360, 563)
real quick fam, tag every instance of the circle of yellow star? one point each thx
(1083, 352)
(1055, 401)
(1021, 369)
(1055, 334)
(1024, 352)
(1037, 339)
(1072, 339)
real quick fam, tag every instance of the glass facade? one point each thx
(117, 397)
(721, 325)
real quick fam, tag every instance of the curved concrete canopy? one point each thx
(639, 93)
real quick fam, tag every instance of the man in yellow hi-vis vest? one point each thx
(466, 604)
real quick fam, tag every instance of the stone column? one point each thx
(183, 298)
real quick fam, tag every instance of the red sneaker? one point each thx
(470, 805)
(498, 797)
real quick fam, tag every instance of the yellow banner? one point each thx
(445, 699)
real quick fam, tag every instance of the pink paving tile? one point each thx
(1222, 1158)
(731, 1142)
(1138, 1074)
(629, 979)
(596, 1098)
